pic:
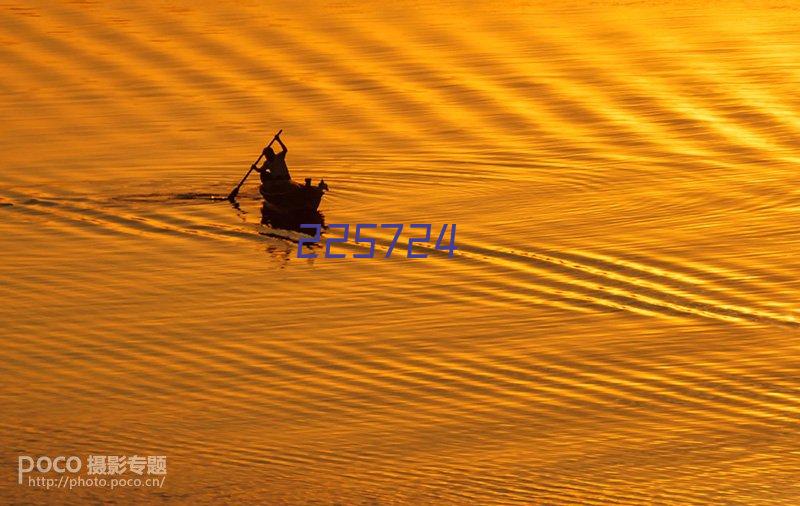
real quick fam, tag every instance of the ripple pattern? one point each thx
(618, 325)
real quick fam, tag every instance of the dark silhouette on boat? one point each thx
(278, 189)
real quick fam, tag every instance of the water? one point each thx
(619, 324)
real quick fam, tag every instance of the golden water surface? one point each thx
(619, 324)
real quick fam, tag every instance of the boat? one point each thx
(294, 221)
(285, 195)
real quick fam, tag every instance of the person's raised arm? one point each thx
(283, 146)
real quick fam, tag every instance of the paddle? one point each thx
(235, 191)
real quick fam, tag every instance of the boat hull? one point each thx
(290, 196)
(275, 218)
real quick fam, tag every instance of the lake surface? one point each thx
(620, 322)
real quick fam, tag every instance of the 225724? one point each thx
(361, 230)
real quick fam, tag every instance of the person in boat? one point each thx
(274, 167)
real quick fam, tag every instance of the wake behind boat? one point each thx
(280, 192)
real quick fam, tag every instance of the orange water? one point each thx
(619, 325)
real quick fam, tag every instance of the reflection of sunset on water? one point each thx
(617, 324)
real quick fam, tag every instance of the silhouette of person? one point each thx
(274, 166)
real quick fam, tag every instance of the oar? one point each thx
(235, 191)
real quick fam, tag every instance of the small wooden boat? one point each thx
(276, 218)
(292, 197)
